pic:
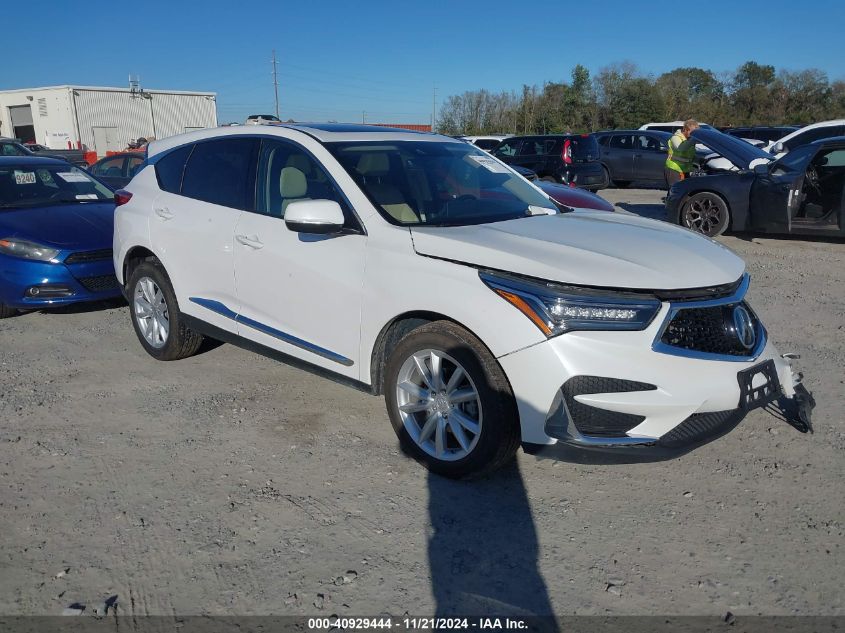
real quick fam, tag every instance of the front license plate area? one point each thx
(751, 397)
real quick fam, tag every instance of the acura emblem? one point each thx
(744, 327)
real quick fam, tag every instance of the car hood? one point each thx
(736, 150)
(66, 226)
(573, 197)
(589, 248)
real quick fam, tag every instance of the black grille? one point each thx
(601, 422)
(89, 256)
(99, 284)
(701, 426)
(707, 330)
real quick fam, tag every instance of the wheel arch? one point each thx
(133, 258)
(393, 331)
(718, 194)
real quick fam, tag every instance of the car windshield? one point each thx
(438, 183)
(36, 185)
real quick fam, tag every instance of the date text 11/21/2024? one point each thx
(417, 624)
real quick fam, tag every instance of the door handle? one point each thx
(164, 213)
(252, 241)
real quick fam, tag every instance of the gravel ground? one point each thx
(231, 484)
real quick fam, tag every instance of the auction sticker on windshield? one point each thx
(490, 163)
(70, 176)
(24, 177)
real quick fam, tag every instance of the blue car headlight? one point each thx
(556, 309)
(27, 250)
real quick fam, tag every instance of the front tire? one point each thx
(156, 317)
(450, 403)
(6, 311)
(706, 213)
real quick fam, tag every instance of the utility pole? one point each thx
(363, 116)
(433, 107)
(276, 83)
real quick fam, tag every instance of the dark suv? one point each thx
(571, 159)
(634, 156)
(762, 133)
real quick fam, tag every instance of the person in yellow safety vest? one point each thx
(679, 162)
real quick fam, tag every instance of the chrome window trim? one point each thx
(674, 308)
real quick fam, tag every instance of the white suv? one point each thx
(420, 267)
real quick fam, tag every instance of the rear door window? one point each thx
(110, 168)
(622, 141)
(648, 143)
(222, 172)
(508, 148)
(169, 169)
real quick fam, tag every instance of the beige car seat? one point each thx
(373, 167)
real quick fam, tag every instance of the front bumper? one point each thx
(629, 393)
(88, 281)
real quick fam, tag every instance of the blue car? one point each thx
(56, 225)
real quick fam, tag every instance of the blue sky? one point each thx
(338, 59)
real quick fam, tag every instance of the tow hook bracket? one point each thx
(798, 410)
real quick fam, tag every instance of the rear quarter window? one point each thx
(222, 172)
(170, 168)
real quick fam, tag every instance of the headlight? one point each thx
(556, 309)
(27, 250)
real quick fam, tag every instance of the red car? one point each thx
(572, 197)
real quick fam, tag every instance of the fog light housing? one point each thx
(48, 291)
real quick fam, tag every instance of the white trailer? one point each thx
(101, 119)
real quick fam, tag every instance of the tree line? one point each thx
(620, 96)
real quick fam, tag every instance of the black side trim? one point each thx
(601, 422)
(220, 334)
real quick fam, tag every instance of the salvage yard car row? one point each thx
(418, 267)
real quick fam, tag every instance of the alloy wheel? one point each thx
(704, 215)
(439, 405)
(151, 312)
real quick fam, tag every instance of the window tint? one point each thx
(603, 140)
(508, 148)
(813, 135)
(486, 143)
(532, 147)
(287, 173)
(648, 143)
(169, 169)
(220, 172)
(10, 149)
(831, 158)
(111, 167)
(134, 165)
(622, 141)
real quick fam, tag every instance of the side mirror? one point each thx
(320, 217)
(761, 169)
(777, 148)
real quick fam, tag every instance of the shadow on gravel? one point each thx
(651, 211)
(483, 548)
(85, 307)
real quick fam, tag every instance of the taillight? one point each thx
(121, 197)
(566, 154)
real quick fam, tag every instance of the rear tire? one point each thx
(155, 315)
(706, 213)
(459, 418)
(6, 311)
